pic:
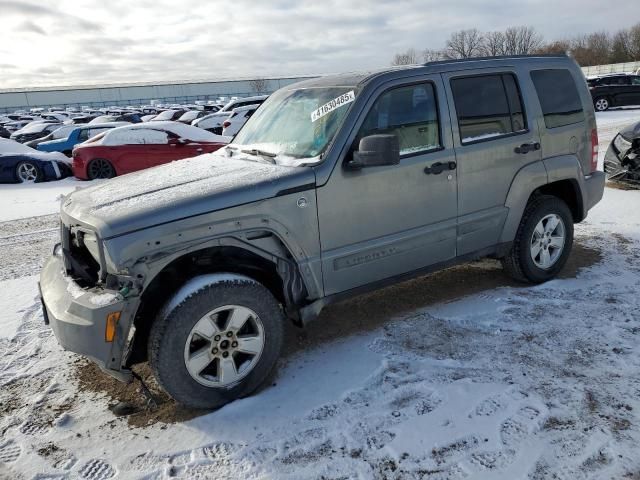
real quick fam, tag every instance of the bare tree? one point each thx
(259, 85)
(555, 47)
(634, 41)
(493, 44)
(621, 47)
(521, 41)
(592, 49)
(429, 55)
(410, 57)
(464, 44)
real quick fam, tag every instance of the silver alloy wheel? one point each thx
(547, 241)
(224, 346)
(27, 172)
(602, 104)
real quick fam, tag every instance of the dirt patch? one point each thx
(48, 449)
(91, 379)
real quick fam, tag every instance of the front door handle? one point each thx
(527, 147)
(439, 167)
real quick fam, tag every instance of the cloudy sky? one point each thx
(70, 42)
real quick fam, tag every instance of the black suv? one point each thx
(616, 90)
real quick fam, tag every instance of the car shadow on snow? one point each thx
(359, 315)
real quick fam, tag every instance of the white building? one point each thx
(137, 93)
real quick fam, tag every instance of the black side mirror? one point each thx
(376, 151)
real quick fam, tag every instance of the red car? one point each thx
(135, 147)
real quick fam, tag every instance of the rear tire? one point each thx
(601, 104)
(213, 343)
(543, 241)
(100, 168)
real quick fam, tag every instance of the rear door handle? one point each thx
(527, 147)
(439, 167)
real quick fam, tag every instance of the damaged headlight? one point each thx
(91, 243)
(621, 144)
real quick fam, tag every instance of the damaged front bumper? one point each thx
(78, 318)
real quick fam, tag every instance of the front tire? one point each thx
(28, 172)
(543, 241)
(601, 104)
(217, 340)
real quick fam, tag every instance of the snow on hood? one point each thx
(11, 146)
(179, 189)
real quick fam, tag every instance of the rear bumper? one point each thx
(78, 318)
(593, 190)
(79, 167)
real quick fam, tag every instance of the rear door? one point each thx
(494, 137)
(631, 91)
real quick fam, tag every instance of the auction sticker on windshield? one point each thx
(332, 105)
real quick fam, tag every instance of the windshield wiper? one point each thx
(261, 153)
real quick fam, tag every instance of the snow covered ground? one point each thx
(461, 374)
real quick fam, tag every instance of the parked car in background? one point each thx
(191, 115)
(143, 145)
(61, 132)
(622, 160)
(60, 117)
(127, 117)
(146, 118)
(614, 90)
(84, 118)
(237, 119)
(34, 131)
(4, 133)
(168, 115)
(15, 125)
(213, 122)
(32, 167)
(77, 135)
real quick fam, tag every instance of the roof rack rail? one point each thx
(497, 57)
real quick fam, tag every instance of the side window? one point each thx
(558, 96)
(83, 135)
(488, 106)
(635, 81)
(410, 113)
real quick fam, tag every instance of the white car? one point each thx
(238, 118)
(213, 122)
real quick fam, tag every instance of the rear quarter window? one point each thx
(559, 97)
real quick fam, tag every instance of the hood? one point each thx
(52, 144)
(178, 190)
(631, 132)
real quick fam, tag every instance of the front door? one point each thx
(493, 139)
(381, 222)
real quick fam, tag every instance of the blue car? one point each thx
(33, 167)
(76, 136)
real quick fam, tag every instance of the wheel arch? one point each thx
(278, 272)
(562, 181)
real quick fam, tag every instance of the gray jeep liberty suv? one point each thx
(336, 186)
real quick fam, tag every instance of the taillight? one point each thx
(226, 124)
(594, 150)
